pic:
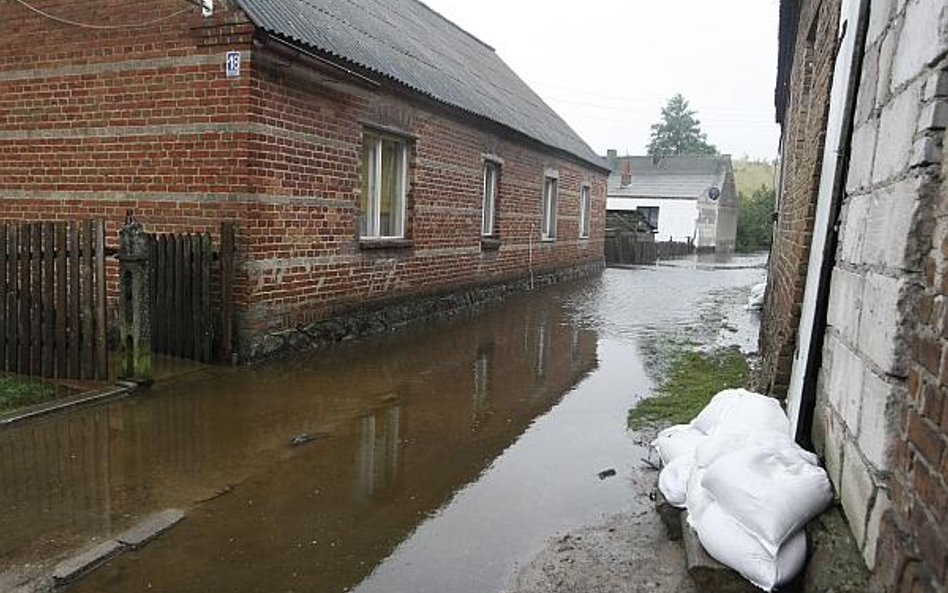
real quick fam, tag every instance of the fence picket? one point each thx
(86, 351)
(74, 369)
(101, 345)
(61, 307)
(3, 297)
(48, 293)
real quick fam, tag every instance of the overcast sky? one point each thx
(609, 66)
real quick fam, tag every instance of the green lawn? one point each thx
(691, 381)
(16, 392)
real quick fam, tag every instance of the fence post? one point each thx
(135, 302)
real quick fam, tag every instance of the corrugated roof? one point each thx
(414, 45)
(680, 177)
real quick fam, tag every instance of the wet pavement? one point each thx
(436, 458)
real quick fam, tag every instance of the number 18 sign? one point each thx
(233, 64)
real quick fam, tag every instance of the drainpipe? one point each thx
(815, 358)
(533, 228)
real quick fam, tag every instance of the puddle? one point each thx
(437, 458)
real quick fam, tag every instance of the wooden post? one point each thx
(227, 291)
(134, 303)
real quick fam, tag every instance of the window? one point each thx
(384, 183)
(585, 210)
(548, 222)
(491, 173)
(650, 214)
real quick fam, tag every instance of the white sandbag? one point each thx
(726, 540)
(756, 299)
(716, 445)
(673, 480)
(697, 498)
(740, 410)
(676, 441)
(772, 492)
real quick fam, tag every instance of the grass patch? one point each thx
(691, 381)
(16, 392)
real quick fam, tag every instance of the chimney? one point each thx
(612, 158)
(626, 173)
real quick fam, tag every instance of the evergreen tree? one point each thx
(679, 132)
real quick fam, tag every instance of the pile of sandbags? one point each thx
(755, 301)
(749, 489)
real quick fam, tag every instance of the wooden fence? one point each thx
(52, 299)
(637, 248)
(192, 289)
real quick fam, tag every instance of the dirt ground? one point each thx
(628, 553)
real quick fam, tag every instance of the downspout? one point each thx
(815, 358)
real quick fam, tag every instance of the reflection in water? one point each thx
(404, 433)
(482, 376)
(379, 454)
(451, 451)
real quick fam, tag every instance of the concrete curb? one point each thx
(85, 398)
(74, 568)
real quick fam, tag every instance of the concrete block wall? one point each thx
(879, 425)
(802, 154)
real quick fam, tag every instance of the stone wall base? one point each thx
(382, 317)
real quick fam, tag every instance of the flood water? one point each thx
(436, 458)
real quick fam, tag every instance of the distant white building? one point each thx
(683, 197)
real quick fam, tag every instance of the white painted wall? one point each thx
(676, 218)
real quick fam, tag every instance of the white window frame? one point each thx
(585, 211)
(548, 207)
(373, 216)
(489, 202)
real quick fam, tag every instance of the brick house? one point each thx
(685, 198)
(380, 162)
(855, 331)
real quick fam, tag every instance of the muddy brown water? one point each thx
(435, 458)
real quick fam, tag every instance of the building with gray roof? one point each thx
(685, 198)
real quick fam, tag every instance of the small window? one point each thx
(548, 222)
(585, 210)
(489, 214)
(384, 184)
(650, 214)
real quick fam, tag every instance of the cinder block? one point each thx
(880, 506)
(924, 37)
(886, 55)
(856, 490)
(861, 156)
(896, 135)
(855, 215)
(879, 415)
(844, 388)
(833, 448)
(936, 86)
(879, 18)
(879, 328)
(845, 306)
(925, 152)
(889, 224)
(934, 116)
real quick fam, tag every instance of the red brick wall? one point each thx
(913, 544)
(93, 123)
(803, 135)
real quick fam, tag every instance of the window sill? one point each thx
(372, 244)
(490, 244)
(548, 240)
